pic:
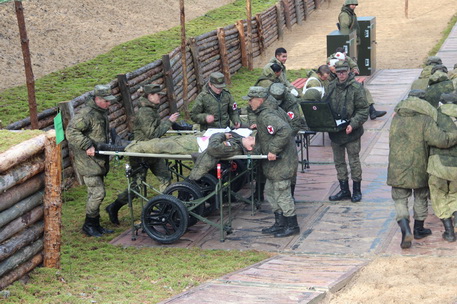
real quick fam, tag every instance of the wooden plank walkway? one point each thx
(337, 238)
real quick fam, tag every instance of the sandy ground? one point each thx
(63, 33)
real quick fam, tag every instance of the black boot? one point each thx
(100, 228)
(292, 227)
(374, 114)
(344, 194)
(356, 192)
(292, 191)
(448, 234)
(90, 227)
(280, 223)
(406, 236)
(112, 210)
(109, 147)
(181, 126)
(455, 219)
(419, 231)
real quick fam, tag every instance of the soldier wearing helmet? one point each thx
(347, 19)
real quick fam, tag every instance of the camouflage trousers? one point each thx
(279, 196)
(158, 167)
(443, 194)
(95, 194)
(185, 144)
(401, 198)
(339, 157)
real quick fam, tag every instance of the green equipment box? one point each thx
(367, 49)
(337, 39)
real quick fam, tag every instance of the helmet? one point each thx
(349, 2)
(277, 90)
(433, 60)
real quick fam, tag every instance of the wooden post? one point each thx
(223, 52)
(52, 202)
(27, 64)
(126, 100)
(196, 60)
(287, 14)
(183, 59)
(279, 14)
(298, 13)
(317, 3)
(244, 55)
(406, 9)
(260, 33)
(305, 9)
(168, 73)
(67, 112)
(249, 34)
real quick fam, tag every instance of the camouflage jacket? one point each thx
(434, 91)
(348, 101)
(350, 61)
(268, 77)
(443, 162)
(87, 128)
(283, 76)
(412, 132)
(274, 135)
(223, 107)
(218, 147)
(147, 123)
(348, 22)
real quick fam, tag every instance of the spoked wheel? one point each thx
(187, 192)
(165, 218)
(207, 185)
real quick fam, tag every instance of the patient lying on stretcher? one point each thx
(219, 145)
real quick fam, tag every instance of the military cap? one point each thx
(438, 77)
(104, 91)
(417, 93)
(439, 67)
(433, 60)
(256, 92)
(312, 94)
(153, 88)
(449, 98)
(349, 2)
(341, 66)
(217, 80)
(277, 90)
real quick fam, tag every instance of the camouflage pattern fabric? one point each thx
(443, 194)
(434, 91)
(351, 62)
(420, 84)
(87, 128)
(148, 124)
(186, 144)
(279, 196)
(95, 194)
(401, 196)
(412, 132)
(267, 78)
(283, 77)
(223, 107)
(339, 158)
(348, 22)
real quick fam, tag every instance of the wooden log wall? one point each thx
(30, 207)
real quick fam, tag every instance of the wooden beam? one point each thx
(27, 64)
(126, 100)
(183, 59)
(244, 55)
(287, 14)
(52, 202)
(298, 12)
(249, 34)
(196, 61)
(279, 15)
(167, 71)
(258, 19)
(223, 52)
(406, 9)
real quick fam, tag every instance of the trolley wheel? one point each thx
(187, 192)
(165, 218)
(207, 185)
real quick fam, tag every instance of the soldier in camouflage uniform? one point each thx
(347, 19)
(318, 80)
(442, 167)
(214, 107)
(271, 74)
(352, 64)
(439, 83)
(422, 82)
(88, 128)
(274, 135)
(412, 132)
(146, 125)
(280, 59)
(348, 101)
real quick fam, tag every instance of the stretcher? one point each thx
(166, 216)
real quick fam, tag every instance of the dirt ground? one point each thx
(63, 33)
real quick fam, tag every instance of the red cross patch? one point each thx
(235, 106)
(270, 129)
(291, 114)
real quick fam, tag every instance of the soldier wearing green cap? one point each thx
(414, 130)
(147, 125)
(347, 19)
(215, 107)
(438, 83)
(274, 135)
(88, 128)
(348, 102)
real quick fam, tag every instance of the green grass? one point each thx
(445, 34)
(71, 82)
(11, 138)
(94, 270)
